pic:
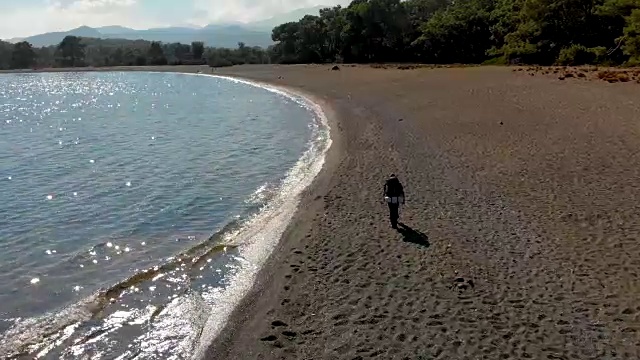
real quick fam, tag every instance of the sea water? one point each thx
(136, 208)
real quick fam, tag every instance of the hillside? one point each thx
(215, 35)
(225, 36)
(115, 29)
(53, 38)
(295, 15)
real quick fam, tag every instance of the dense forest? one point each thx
(80, 52)
(544, 32)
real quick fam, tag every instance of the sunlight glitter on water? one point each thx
(165, 307)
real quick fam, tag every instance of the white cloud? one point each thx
(66, 15)
(90, 6)
(250, 10)
(22, 20)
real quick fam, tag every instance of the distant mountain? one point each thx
(116, 29)
(218, 35)
(53, 38)
(295, 15)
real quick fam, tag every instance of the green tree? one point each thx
(45, 57)
(6, 50)
(71, 51)
(155, 54)
(623, 14)
(23, 56)
(311, 39)
(467, 31)
(332, 23)
(632, 37)
(197, 49)
(286, 38)
(178, 51)
(567, 32)
(217, 57)
(418, 13)
(459, 33)
(117, 57)
(548, 31)
(243, 50)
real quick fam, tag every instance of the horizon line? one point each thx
(184, 26)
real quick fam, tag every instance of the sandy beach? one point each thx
(521, 222)
(520, 236)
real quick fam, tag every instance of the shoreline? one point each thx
(304, 173)
(212, 330)
(308, 202)
(521, 222)
(473, 146)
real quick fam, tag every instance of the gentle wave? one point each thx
(189, 322)
(267, 228)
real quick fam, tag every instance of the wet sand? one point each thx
(521, 237)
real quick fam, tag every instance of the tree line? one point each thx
(544, 32)
(81, 52)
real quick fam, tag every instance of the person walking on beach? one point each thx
(394, 195)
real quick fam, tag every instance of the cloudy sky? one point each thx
(21, 18)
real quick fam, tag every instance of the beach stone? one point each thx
(461, 286)
(459, 279)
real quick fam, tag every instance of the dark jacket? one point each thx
(393, 188)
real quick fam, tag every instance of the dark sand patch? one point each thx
(525, 187)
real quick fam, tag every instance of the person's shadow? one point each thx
(413, 236)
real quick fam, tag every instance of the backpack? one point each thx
(394, 187)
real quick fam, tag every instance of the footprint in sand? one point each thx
(290, 334)
(278, 323)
